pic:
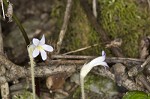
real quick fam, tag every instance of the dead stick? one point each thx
(144, 81)
(81, 49)
(40, 71)
(108, 59)
(65, 24)
(146, 62)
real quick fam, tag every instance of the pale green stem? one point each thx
(82, 86)
(30, 50)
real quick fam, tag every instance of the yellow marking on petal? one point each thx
(40, 48)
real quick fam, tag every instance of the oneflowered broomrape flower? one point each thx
(87, 68)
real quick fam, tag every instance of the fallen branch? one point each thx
(128, 61)
(13, 71)
(68, 64)
(40, 71)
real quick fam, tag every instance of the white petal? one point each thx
(35, 41)
(104, 64)
(97, 61)
(47, 47)
(103, 53)
(43, 54)
(42, 41)
(35, 52)
(87, 68)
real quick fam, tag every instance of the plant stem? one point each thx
(30, 50)
(21, 29)
(82, 86)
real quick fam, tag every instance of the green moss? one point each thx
(24, 95)
(121, 19)
(104, 85)
(77, 93)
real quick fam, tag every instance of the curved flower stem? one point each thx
(30, 50)
(82, 86)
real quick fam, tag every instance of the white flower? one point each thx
(87, 68)
(97, 61)
(40, 48)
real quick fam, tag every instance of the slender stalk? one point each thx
(65, 25)
(30, 50)
(94, 8)
(82, 86)
(21, 29)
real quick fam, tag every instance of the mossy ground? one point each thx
(125, 19)
(97, 87)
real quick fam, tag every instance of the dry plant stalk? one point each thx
(95, 8)
(81, 49)
(65, 25)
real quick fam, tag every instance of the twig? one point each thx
(146, 62)
(94, 8)
(71, 57)
(144, 81)
(59, 61)
(129, 61)
(138, 68)
(81, 49)
(65, 25)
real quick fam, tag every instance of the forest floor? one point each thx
(82, 39)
